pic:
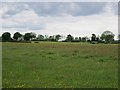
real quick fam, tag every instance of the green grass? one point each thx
(59, 65)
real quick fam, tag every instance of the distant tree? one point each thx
(57, 37)
(40, 37)
(27, 36)
(46, 37)
(32, 35)
(93, 38)
(51, 38)
(83, 39)
(107, 36)
(6, 36)
(87, 38)
(97, 39)
(0, 39)
(79, 38)
(76, 39)
(119, 37)
(17, 35)
(69, 38)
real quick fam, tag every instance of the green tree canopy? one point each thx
(69, 38)
(93, 38)
(57, 37)
(27, 36)
(17, 35)
(107, 36)
(6, 36)
(32, 35)
(40, 37)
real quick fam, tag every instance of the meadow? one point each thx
(59, 65)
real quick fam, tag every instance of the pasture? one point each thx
(59, 65)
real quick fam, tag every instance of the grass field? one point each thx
(59, 65)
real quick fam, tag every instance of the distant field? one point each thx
(60, 65)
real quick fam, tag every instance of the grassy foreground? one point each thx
(59, 65)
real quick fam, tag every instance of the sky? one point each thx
(51, 18)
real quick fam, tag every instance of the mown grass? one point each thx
(59, 65)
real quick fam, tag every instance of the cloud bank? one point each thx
(78, 19)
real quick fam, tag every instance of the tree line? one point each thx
(105, 37)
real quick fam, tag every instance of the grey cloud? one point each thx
(61, 8)
(14, 8)
(58, 8)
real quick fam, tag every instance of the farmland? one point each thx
(59, 65)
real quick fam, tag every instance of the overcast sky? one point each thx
(76, 18)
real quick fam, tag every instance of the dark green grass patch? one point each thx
(59, 65)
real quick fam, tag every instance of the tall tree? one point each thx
(107, 36)
(17, 35)
(51, 38)
(32, 35)
(93, 38)
(6, 36)
(76, 39)
(57, 37)
(40, 37)
(27, 36)
(79, 38)
(83, 39)
(69, 38)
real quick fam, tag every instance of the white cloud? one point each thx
(25, 16)
(27, 19)
(3, 9)
(82, 26)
